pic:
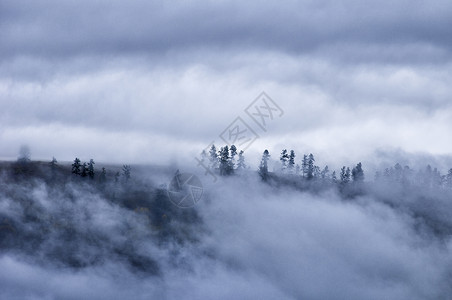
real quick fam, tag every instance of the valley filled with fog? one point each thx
(284, 236)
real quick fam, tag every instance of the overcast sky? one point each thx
(156, 82)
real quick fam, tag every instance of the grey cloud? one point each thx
(54, 29)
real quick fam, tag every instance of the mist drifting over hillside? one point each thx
(65, 236)
(225, 149)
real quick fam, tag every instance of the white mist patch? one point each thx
(320, 247)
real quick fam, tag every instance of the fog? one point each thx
(246, 239)
(142, 87)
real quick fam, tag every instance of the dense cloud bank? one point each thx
(351, 77)
(56, 30)
(65, 237)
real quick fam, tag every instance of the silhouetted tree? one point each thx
(225, 163)
(358, 173)
(317, 172)
(263, 167)
(233, 151)
(284, 158)
(91, 168)
(76, 166)
(311, 167)
(84, 171)
(53, 163)
(345, 175)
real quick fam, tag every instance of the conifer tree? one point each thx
(345, 175)
(358, 173)
(91, 168)
(291, 163)
(310, 167)
(317, 172)
(84, 170)
(284, 158)
(233, 151)
(225, 164)
(324, 174)
(53, 163)
(76, 166)
(263, 167)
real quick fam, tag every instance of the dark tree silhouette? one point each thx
(225, 161)
(310, 167)
(358, 173)
(53, 163)
(91, 168)
(84, 172)
(345, 175)
(263, 167)
(76, 166)
(284, 158)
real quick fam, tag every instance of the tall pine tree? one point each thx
(263, 167)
